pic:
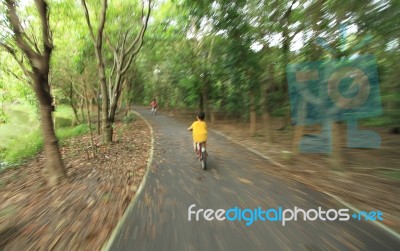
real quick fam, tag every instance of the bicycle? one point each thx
(153, 111)
(201, 154)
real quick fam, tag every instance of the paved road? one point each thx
(235, 178)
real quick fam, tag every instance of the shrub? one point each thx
(129, 118)
(23, 146)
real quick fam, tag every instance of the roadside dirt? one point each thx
(362, 179)
(81, 212)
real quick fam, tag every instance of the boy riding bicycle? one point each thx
(199, 128)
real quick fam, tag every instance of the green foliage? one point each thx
(212, 56)
(129, 118)
(21, 120)
(3, 118)
(61, 122)
(21, 138)
(72, 131)
(204, 51)
(22, 147)
(63, 116)
(28, 145)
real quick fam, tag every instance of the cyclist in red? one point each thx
(153, 105)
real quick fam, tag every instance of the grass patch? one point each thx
(23, 147)
(63, 116)
(394, 174)
(21, 121)
(64, 111)
(129, 118)
(60, 122)
(21, 137)
(27, 146)
(70, 132)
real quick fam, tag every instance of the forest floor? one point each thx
(369, 179)
(82, 211)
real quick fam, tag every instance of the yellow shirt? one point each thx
(199, 131)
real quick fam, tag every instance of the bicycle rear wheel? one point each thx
(203, 161)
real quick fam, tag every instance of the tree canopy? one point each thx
(223, 57)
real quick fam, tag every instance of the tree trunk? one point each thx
(206, 104)
(109, 133)
(106, 130)
(253, 115)
(266, 118)
(98, 46)
(299, 126)
(212, 117)
(91, 104)
(208, 81)
(286, 47)
(286, 52)
(127, 103)
(54, 164)
(54, 117)
(201, 103)
(82, 109)
(114, 106)
(40, 65)
(72, 104)
(116, 93)
(98, 117)
(338, 159)
(337, 156)
(89, 120)
(122, 59)
(120, 103)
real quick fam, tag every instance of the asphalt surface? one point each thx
(235, 178)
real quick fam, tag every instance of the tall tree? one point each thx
(97, 40)
(123, 52)
(38, 53)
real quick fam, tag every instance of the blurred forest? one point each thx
(227, 58)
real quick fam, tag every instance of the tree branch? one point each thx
(102, 24)
(124, 42)
(8, 71)
(20, 62)
(128, 63)
(113, 69)
(87, 17)
(139, 37)
(32, 41)
(73, 86)
(17, 30)
(109, 43)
